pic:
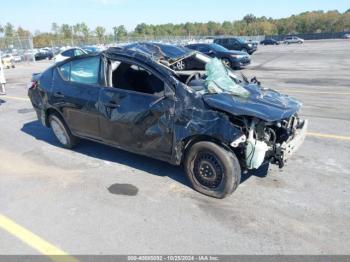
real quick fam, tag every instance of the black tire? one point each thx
(66, 138)
(212, 170)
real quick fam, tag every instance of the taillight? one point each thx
(33, 84)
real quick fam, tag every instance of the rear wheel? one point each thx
(212, 170)
(62, 132)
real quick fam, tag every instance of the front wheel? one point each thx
(212, 170)
(62, 132)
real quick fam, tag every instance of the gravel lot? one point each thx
(100, 200)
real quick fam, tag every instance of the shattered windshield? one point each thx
(218, 80)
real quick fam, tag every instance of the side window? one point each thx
(233, 41)
(136, 78)
(85, 71)
(224, 41)
(68, 53)
(65, 71)
(78, 52)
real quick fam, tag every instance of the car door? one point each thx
(75, 94)
(135, 120)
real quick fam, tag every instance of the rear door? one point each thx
(76, 92)
(135, 118)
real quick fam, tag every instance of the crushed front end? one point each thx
(269, 142)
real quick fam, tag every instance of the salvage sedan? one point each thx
(210, 121)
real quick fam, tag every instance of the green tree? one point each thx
(55, 28)
(141, 29)
(22, 33)
(85, 30)
(249, 18)
(120, 32)
(66, 31)
(9, 30)
(100, 33)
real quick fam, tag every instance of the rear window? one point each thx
(65, 71)
(68, 53)
(84, 71)
(78, 52)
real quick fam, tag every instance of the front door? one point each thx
(136, 114)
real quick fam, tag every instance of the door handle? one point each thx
(112, 104)
(58, 95)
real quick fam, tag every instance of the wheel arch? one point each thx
(188, 142)
(49, 111)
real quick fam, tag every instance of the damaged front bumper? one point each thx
(288, 148)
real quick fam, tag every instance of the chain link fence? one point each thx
(17, 49)
(20, 49)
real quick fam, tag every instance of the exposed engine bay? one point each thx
(263, 141)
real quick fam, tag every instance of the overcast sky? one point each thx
(40, 14)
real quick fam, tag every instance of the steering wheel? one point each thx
(194, 75)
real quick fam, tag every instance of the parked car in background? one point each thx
(232, 59)
(212, 123)
(269, 42)
(293, 40)
(237, 44)
(8, 61)
(17, 58)
(92, 49)
(346, 36)
(43, 55)
(72, 52)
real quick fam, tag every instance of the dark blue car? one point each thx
(232, 59)
(211, 122)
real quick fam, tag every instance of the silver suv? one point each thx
(293, 40)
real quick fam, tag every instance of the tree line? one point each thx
(307, 22)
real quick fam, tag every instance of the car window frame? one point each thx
(69, 61)
(150, 70)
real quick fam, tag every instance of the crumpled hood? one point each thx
(265, 104)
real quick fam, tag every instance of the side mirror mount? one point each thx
(169, 93)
